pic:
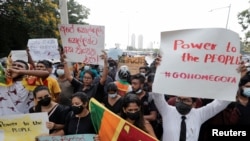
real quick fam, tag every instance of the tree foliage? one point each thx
(21, 21)
(244, 21)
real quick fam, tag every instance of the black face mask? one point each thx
(45, 101)
(183, 108)
(133, 116)
(77, 109)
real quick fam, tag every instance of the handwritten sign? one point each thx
(133, 63)
(44, 48)
(199, 63)
(23, 127)
(82, 43)
(77, 137)
(18, 55)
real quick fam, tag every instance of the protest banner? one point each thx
(199, 63)
(82, 43)
(133, 63)
(111, 127)
(23, 127)
(76, 137)
(43, 49)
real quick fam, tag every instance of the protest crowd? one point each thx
(64, 94)
(63, 90)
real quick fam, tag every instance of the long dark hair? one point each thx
(132, 98)
(39, 88)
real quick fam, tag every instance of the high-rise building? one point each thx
(140, 41)
(133, 40)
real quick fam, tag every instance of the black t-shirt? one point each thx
(148, 104)
(76, 125)
(95, 90)
(116, 108)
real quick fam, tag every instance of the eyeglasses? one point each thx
(46, 96)
(87, 78)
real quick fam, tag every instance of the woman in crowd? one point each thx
(132, 112)
(113, 101)
(55, 111)
(87, 86)
(78, 121)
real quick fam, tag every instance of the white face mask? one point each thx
(143, 74)
(60, 72)
(86, 67)
(138, 91)
(112, 95)
(246, 92)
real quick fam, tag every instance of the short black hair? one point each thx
(82, 96)
(245, 79)
(46, 63)
(138, 76)
(24, 62)
(112, 87)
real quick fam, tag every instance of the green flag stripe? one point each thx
(96, 112)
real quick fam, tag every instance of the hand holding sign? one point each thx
(104, 55)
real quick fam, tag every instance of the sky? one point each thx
(149, 18)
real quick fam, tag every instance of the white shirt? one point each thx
(15, 99)
(194, 119)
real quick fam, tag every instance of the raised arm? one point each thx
(39, 73)
(160, 103)
(30, 60)
(66, 67)
(105, 69)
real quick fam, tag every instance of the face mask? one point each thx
(112, 95)
(246, 92)
(77, 109)
(138, 91)
(133, 116)
(183, 108)
(86, 67)
(60, 72)
(143, 74)
(45, 101)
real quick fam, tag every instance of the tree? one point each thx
(21, 21)
(244, 21)
(77, 13)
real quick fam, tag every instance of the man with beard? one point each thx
(15, 98)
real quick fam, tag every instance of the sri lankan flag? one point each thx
(111, 127)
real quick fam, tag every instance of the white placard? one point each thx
(23, 127)
(199, 63)
(19, 55)
(114, 53)
(43, 49)
(82, 43)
